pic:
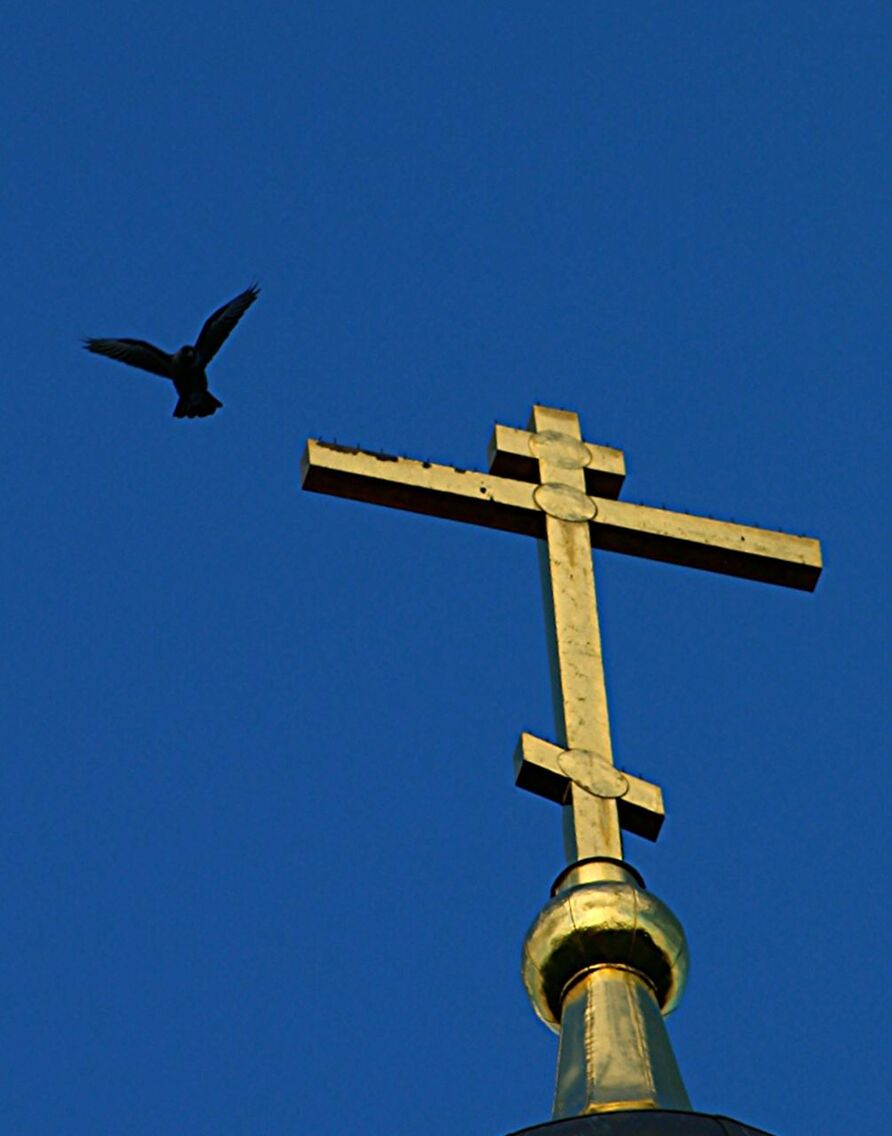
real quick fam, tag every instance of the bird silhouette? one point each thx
(186, 367)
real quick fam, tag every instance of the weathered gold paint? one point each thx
(605, 959)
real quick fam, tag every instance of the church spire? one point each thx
(605, 960)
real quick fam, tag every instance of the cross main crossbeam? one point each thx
(507, 503)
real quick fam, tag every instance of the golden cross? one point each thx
(547, 482)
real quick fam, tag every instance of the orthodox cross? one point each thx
(548, 483)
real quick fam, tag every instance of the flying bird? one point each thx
(186, 367)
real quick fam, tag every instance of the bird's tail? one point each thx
(198, 404)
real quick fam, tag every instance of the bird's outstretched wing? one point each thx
(218, 326)
(136, 352)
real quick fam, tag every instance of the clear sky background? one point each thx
(264, 867)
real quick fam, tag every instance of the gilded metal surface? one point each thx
(510, 455)
(605, 959)
(564, 502)
(507, 503)
(597, 870)
(699, 542)
(422, 487)
(614, 1051)
(591, 824)
(564, 450)
(561, 511)
(542, 768)
(603, 923)
(592, 773)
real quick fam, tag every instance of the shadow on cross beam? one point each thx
(508, 504)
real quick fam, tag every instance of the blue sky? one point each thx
(264, 866)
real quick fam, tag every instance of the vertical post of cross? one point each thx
(614, 1051)
(568, 584)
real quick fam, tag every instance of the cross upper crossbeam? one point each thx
(548, 483)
